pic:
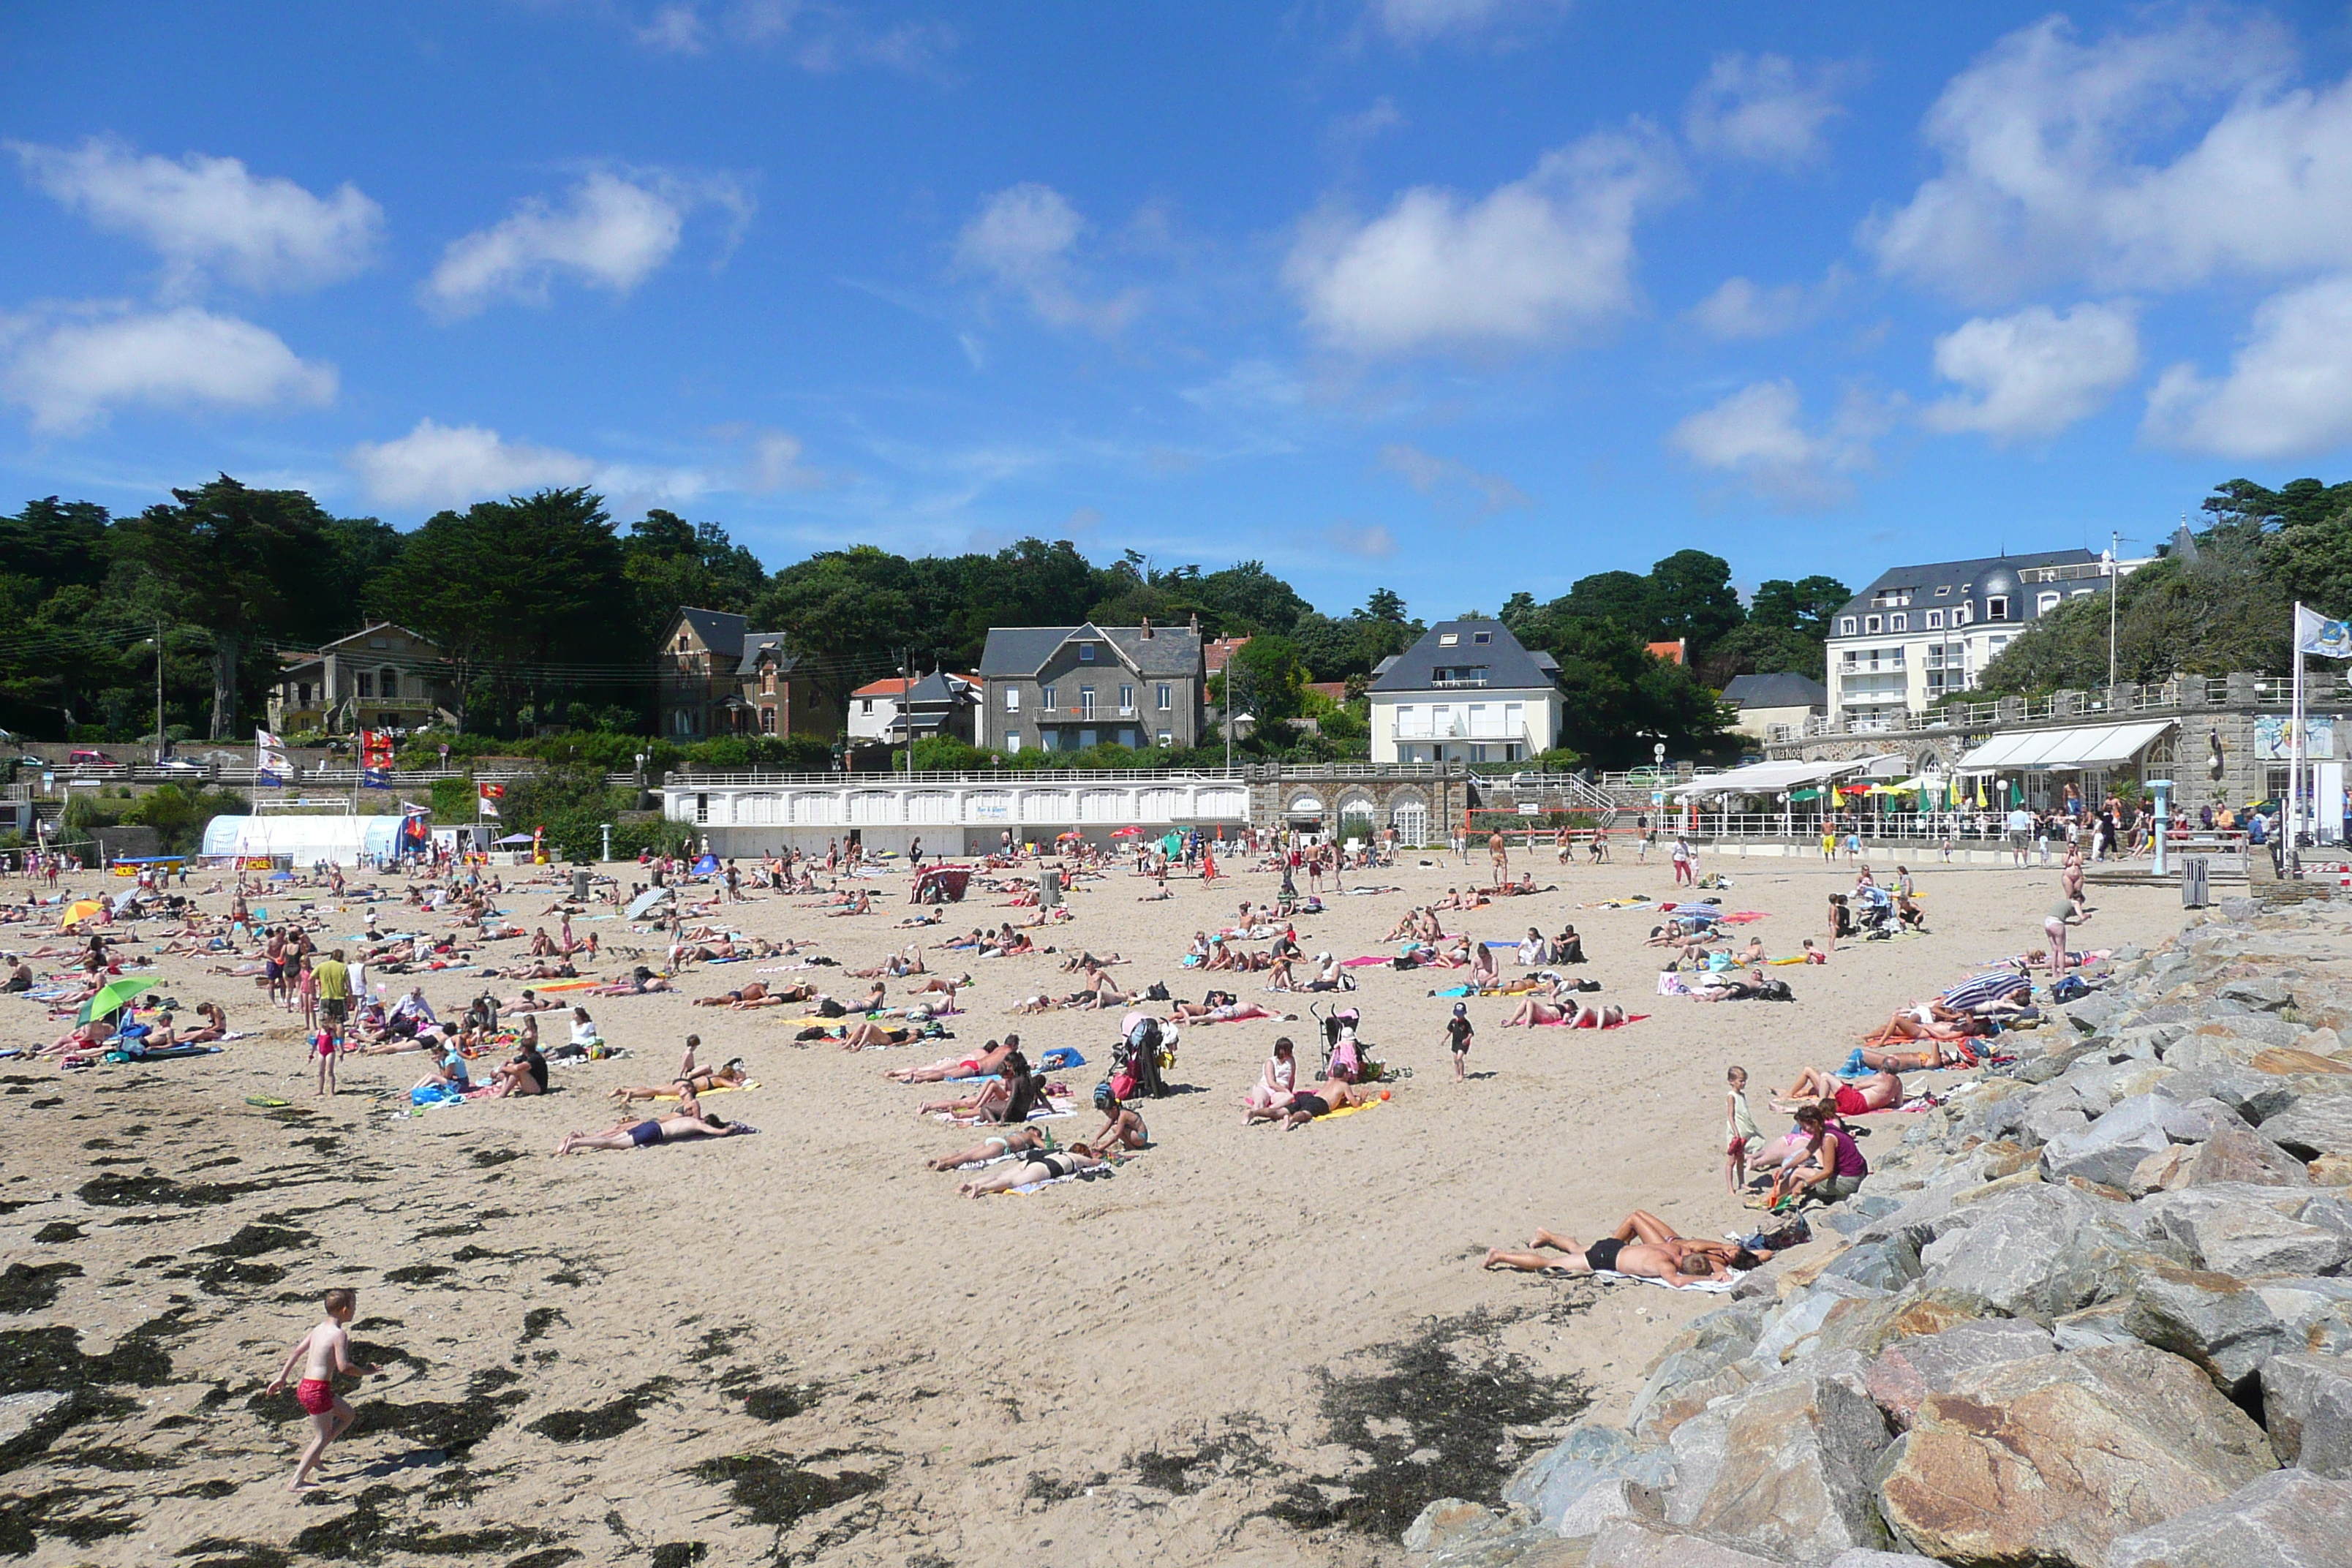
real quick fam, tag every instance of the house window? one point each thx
(1046, 698)
(1086, 653)
(1847, 625)
(866, 704)
(681, 642)
(388, 685)
(2084, 593)
(1943, 590)
(1870, 623)
(2044, 604)
(1962, 615)
(1898, 623)
(1935, 620)
(1165, 739)
(1013, 700)
(1166, 696)
(1047, 739)
(1448, 639)
(367, 683)
(767, 720)
(702, 808)
(1013, 740)
(768, 679)
(1997, 607)
(1127, 698)
(1087, 700)
(1482, 636)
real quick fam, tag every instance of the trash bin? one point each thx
(579, 884)
(1049, 888)
(2194, 877)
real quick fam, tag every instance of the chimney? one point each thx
(1196, 623)
(1147, 628)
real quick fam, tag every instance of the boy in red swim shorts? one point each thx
(324, 1351)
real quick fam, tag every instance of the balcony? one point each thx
(1457, 682)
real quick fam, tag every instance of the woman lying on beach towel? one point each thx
(1220, 1007)
(986, 1063)
(675, 1127)
(1328, 1096)
(1037, 1168)
(1536, 1010)
(1012, 1141)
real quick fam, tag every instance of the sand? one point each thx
(1245, 1346)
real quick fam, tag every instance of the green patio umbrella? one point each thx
(1805, 795)
(110, 998)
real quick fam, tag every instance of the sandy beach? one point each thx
(1243, 1346)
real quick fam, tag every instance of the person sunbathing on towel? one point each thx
(863, 904)
(754, 991)
(994, 1098)
(1038, 1167)
(695, 1079)
(634, 985)
(866, 1035)
(1220, 1007)
(529, 1002)
(674, 1128)
(1945, 1054)
(1012, 1141)
(986, 1064)
(1813, 1085)
(1327, 1097)
(1643, 1246)
(1536, 1010)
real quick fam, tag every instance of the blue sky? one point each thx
(1455, 296)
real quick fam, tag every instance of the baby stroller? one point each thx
(1141, 1052)
(1352, 1055)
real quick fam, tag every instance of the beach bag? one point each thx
(1774, 991)
(2066, 990)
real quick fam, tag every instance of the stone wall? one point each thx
(2094, 1313)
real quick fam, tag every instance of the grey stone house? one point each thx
(1064, 689)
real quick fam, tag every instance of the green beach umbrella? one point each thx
(110, 996)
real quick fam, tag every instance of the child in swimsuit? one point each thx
(324, 1351)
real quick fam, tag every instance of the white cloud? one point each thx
(819, 38)
(613, 233)
(773, 461)
(1741, 309)
(1413, 21)
(453, 465)
(2045, 178)
(1763, 108)
(1438, 477)
(1758, 435)
(69, 373)
(2289, 389)
(1022, 239)
(2035, 373)
(211, 215)
(1371, 541)
(1541, 260)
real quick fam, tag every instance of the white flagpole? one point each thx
(2295, 750)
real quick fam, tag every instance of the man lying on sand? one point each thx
(674, 1128)
(1037, 1168)
(1014, 1141)
(1814, 1085)
(1644, 1245)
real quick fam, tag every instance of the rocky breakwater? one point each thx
(2095, 1313)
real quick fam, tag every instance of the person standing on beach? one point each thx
(1740, 1132)
(1682, 858)
(1499, 852)
(324, 1351)
(1458, 1034)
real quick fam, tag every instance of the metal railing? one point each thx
(1927, 829)
(2194, 691)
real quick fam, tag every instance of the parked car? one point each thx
(179, 766)
(84, 758)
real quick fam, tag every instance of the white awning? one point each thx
(1770, 778)
(2098, 746)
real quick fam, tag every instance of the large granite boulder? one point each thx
(1790, 1477)
(2035, 1251)
(2216, 1320)
(2248, 1229)
(2049, 1460)
(2313, 1125)
(2308, 1409)
(2288, 1518)
(1592, 1458)
(1633, 1542)
(1909, 1370)
(2108, 1150)
(2231, 1155)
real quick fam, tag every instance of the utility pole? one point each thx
(159, 693)
(907, 704)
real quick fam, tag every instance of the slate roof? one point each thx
(1509, 667)
(720, 631)
(755, 641)
(1776, 691)
(1017, 651)
(1970, 582)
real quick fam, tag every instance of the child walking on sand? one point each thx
(323, 1049)
(324, 1351)
(1739, 1130)
(1458, 1033)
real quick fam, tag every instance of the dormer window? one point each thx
(1870, 624)
(1997, 607)
(1898, 621)
(1086, 653)
(1935, 620)
(1847, 626)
